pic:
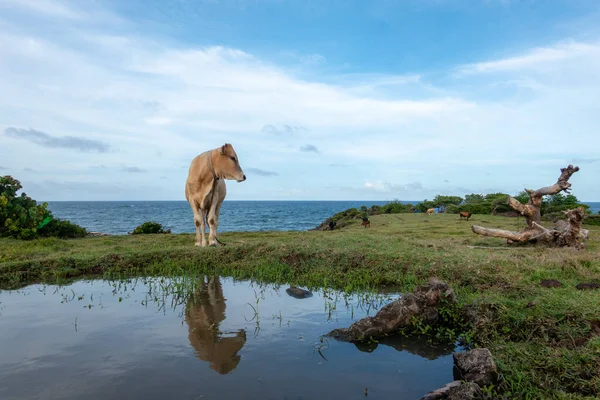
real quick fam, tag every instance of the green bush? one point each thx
(396, 207)
(149, 227)
(62, 229)
(375, 210)
(495, 203)
(22, 218)
(425, 205)
(19, 215)
(592, 220)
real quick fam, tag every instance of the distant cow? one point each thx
(332, 225)
(366, 223)
(205, 188)
(465, 214)
(430, 211)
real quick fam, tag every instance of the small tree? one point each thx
(444, 201)
(20, 216)
(425, 205)
(474, 198)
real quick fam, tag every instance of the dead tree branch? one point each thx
(564, 233)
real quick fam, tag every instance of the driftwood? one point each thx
(564, 233)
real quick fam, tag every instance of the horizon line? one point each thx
(226, 200)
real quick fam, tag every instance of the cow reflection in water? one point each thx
(204, 312)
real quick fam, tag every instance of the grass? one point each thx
(541, 337)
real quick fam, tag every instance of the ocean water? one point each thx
(120, 217)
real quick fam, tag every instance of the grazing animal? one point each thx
(205, 188)
(430, 211)
(465, 214)
(332, 225)
(366, 223)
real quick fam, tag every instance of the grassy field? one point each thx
(542, 338)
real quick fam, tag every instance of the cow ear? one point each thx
(223, 149)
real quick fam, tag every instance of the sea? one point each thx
(121, 217)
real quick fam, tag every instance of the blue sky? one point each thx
(324, 100)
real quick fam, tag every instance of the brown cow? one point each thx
(205, 188)
(366, 223)
(204, 312)
(465, 214)
(430, 211)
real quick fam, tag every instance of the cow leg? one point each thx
(213, 223)
(202, 213)
(197, 220)
(199, 216)
(219, 194)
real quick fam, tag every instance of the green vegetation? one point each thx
(149, 227)
(490, 204)
(22, 218)
(592, 220)
(544, 339)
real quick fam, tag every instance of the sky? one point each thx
(322, 100)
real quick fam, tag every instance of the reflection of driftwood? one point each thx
(564, 233)
(204, 312)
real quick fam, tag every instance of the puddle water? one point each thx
(226, 339)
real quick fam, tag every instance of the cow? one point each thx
(430, 211)
(205, 188)
(204, 313)
(365, 222)
(465, 214)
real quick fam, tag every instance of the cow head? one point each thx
(227, 164)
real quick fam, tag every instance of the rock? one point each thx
(298, 293)
(441, 393)
(465, 391)
(423, 303)
(476, 366)
(456, 390)
(587, 286)
(548, 283)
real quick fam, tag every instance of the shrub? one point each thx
(396, 207)
(592, 220)
(149, 227)
(375, 210)
(19, 215)
(425, 205)
(22, 218)
(62, 229)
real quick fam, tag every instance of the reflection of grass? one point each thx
(256, 316)
(323, 343)
(533, 345)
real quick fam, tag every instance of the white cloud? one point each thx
(48, 7)
(158, 120)
(381, 186)
(146, 96)
(536, 58)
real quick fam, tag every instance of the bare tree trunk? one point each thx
(564, 233)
